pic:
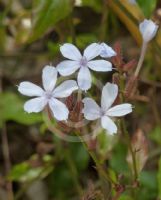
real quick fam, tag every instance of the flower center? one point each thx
(102, 112)
(83, 62)
(48, 95)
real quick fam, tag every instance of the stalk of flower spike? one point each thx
(125, 132)
(99, 166)
(141, 59)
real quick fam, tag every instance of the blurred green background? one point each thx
(42, 167)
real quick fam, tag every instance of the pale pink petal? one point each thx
(120, 110)
(30, 89)
(91, 110)
(49, 77)
(92, 51)
(109, 94)
(35, 105)
(84, 78)
(100, 65)
(59, 109)
(109, 125)
(65, 89)
(70, 51)
(67, 67)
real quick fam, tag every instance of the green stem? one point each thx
(74, 173)
(99, 166)
(125, 132)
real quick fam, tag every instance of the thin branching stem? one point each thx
(125, 132)
(99, 166)
(141, 59)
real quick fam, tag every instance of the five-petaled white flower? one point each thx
(148, 30)
(48, 95)
(106, 51)
(83, 63)
(92, 111)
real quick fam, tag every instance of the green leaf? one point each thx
(79, 155)
(24, 172)
(50, 12)
(155, 135)
(60, 180)
(18, 171)
(148, 185)
(125, 197)
(118, 161)
(11, 107)
(147, 6)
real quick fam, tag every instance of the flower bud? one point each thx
(148, 30)
(106, 51)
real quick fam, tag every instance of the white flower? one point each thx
(48, 95)
(148, 30)
(92, 111)
(83, 63)
(106, 51)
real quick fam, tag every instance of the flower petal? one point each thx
(65, 89)
(92, 51)
(109, 94)
(67, 67)
(148, 29)
(59, 109)
(70, 51)
(84, 78)
(100, 65)
(109, 125)
(49, 77)
(35, 105)
(30, 89)
(106, 51)
(120, 110)
(91, 110)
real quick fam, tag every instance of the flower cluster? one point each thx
(51, 94)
